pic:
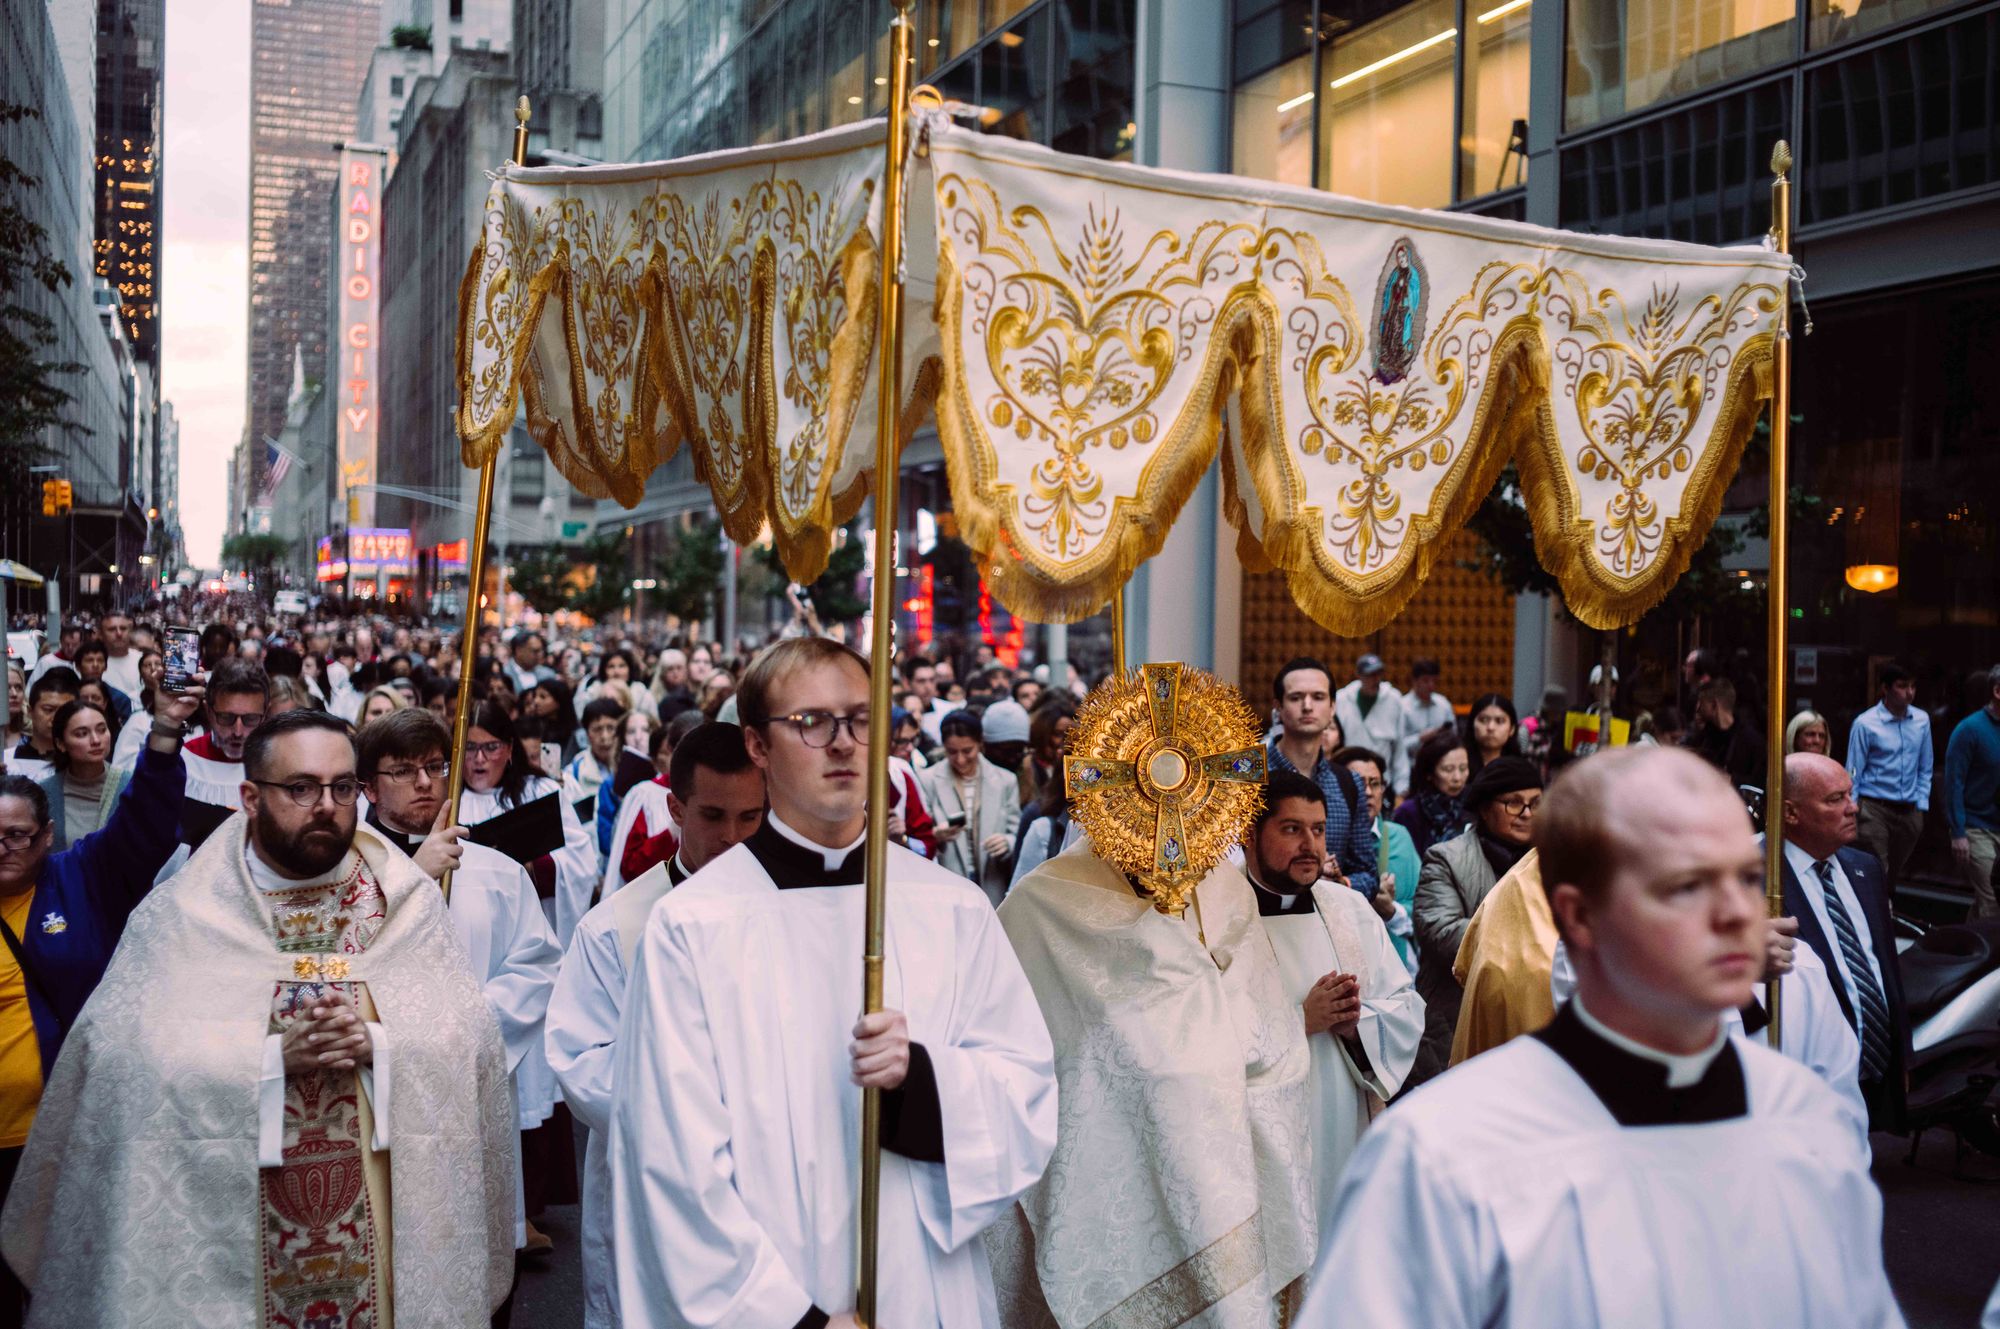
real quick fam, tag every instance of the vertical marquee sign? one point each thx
(364, 169)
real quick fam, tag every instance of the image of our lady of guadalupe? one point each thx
(1399, 312)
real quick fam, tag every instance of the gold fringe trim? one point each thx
(1512, 419)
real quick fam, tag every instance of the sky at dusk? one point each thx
(205, 253)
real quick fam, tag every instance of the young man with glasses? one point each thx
(401, 762)
(740, 1061)
(299, 1011)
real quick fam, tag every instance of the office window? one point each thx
(1836, 21)
(1013, 79)
(1626, 54)
(1493, 122)
(945, 28)
(1273, 125)
(1386, 102)
(1093, 79)
(395, 85)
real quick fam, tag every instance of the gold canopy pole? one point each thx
(1779, 626)
(882, 599)
(475, 579)
(1118, 633)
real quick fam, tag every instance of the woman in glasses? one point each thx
(1457, 875)
(501, 780)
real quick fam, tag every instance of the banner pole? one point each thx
(475, 580)
(1777, 664)
(882, 600)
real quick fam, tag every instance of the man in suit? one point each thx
(976, 805)
(1839, 895)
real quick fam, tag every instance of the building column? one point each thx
(1182, 93)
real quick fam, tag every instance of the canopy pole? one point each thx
(475, 580)
(882, 599)
(1776, 664)
(1118, 633)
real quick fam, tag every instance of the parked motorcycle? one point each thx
(1951, 989)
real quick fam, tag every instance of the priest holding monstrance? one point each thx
(1181, 1191)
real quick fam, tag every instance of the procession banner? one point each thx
(1093, 336)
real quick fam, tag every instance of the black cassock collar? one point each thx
(792, 865)
(1635, 1090)
(409, 844)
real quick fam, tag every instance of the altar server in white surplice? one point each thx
(1632, 1164)
(1363, 1016)
(723, 807)
(401, 761)
(737, 1102)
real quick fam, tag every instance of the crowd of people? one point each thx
(280, 1078)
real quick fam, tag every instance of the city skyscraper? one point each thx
(131, 82)
(308, 60)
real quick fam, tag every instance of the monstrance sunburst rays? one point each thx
(1165, 770)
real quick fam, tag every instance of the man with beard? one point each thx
(716, 797)
(1363, 1018)
(287, 1103)
(514, 953)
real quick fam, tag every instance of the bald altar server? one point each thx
(1363, 1017)
(287, 1103)
(404, 772)
(723, 806)
(737, 1105)
(1632, 1164)
(1181, 1191)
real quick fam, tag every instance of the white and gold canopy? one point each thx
(1089, 336)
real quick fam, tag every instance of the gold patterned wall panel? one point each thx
(1460, 618)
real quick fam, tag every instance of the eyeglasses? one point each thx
(229, 720)
(1518, 807)
(306, 793)
(14, 842)
(436, 770)
(489, 749)
(1372, 782)
(817, 728)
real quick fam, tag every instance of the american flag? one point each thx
(277, 461)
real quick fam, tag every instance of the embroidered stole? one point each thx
(324, 1243)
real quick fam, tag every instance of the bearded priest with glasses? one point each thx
(742, 1054)
(287, 1103)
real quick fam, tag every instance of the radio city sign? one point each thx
(363, 169)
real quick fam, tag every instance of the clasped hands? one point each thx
(333, 1037)
(1334, 1003)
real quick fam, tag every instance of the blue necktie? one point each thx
(1874, 1012)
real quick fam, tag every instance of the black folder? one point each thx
(523, 833)
(199, 820)
(632, 769)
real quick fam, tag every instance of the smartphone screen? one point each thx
(183, 658)
(955, 819)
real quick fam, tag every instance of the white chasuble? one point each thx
(1534, 1187)
(1181, 1189)
(148, 1137)
(1336, 930)
(735, 1127)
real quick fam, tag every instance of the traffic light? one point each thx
(49, 498)
(63, 497)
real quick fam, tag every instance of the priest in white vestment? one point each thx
(1181, 1191)
(403, 768)
(287, 1103)
(724, 806)
(735, 1119)
(1363, 1017)
(1633, 1164)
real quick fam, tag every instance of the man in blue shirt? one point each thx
(1889, 758)
(1304, 693)
(1972, 797)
